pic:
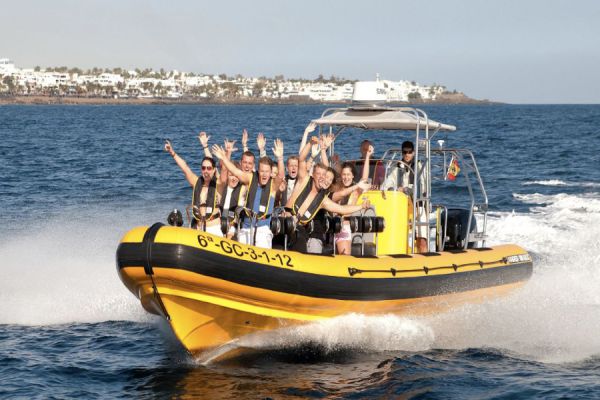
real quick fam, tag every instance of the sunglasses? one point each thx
(407, 151)
(207, 168)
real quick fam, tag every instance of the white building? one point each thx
(7, 67)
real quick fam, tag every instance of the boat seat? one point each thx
(369, 250)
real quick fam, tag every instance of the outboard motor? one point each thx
(457, 232)
(175, 218)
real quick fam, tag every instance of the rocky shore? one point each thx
(449, 98)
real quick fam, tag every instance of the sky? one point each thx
(510, 51)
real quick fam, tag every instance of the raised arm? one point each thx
(203, 138)
(229, 149)
(309, 129)
(302, 172)
(367, 164)
(220, 152)
(325, 142)
(245, 140)
(189, 175)
(261, 143)
(333, 207)
(340, 194)
(278, 153)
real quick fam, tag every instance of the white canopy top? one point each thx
(381, 118)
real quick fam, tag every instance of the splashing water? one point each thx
(64, 272)
(356, 331)
(555, 317)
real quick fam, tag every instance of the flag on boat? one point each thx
(453, 169)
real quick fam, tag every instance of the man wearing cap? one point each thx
(401, 177)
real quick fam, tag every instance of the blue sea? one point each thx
(74, 179)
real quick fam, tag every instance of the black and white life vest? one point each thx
(289, 187)
(234, 201)
(211, 206)
(313, 207)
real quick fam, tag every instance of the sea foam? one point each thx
(65, 273)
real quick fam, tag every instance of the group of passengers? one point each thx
(246, 195)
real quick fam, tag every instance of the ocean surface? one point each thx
(74, 179)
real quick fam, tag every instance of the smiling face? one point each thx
(328, 179)
(232, 180)
(208, 170)
(347, 176)
(319, 176)
(247, 163)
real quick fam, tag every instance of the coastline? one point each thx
(458, 98)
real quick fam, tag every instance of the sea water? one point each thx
(74, 179)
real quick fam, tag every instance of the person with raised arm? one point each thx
(401, 177)
(290, 179)
(349, 195)
(261, 143)
(234, 192)
(203, 138)
(205, 194)
(311, 195)
(248, 158)
(260, 196)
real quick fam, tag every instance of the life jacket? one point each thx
(211, 206)
(265, 197)
(284, 195)
(313, 207)
(406, 174)
(234, 200)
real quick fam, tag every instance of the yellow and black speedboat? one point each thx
(214, 291)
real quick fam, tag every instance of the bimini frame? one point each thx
(409, 118)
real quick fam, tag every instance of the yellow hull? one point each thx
(214, 291)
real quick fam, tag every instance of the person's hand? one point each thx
(229, 146)
(169, 148)
(310, 128)
(363, 185)
(203, 137)
(309, 165)
(261, 142)
(366, 204)
(278, 149)
(315, 150)
(218, 151)
(370, 151)
(327, 140)
(245, 139)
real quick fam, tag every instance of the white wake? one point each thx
(65, 273)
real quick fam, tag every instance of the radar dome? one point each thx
(369, 93)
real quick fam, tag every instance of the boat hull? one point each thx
(214, 291)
